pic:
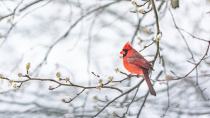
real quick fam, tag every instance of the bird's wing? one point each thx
(139, 60)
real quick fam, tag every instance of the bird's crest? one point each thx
(127, 46)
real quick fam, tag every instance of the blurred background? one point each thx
(80, 40)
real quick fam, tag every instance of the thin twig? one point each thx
(128, 91)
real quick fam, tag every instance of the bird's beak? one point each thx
(122, 52)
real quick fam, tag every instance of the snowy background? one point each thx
(82, 39)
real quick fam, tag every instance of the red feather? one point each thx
(135, 63)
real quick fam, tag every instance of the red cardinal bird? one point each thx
(135, 63)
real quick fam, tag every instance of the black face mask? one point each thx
(125, 52)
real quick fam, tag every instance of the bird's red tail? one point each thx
(146, 77)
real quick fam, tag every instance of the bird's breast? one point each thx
(132, 68)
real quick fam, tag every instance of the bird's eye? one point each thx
(125, 52)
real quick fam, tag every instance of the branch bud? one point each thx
(175, 4)
(110, 78)
(158, 37)
(1, 76)
(58, 75)
(20, 75)
(28, 65)
(117, 70)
